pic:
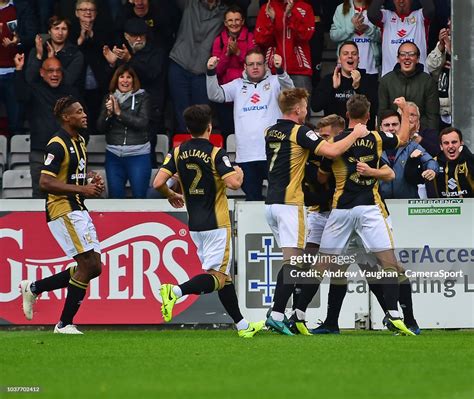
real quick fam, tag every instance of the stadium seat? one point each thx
(152, 177)
(19, 152)
(17, 184)
(3, 153)
(162, 147)
(180, 138)
(235, 194)
(215, 139)
(151, 192)
(96, 151)
(230, 145)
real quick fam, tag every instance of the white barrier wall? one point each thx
(436, 234)
(258, 263)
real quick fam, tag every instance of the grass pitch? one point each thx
(217, 364)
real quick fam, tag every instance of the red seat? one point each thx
(215, 139)
(180, 138)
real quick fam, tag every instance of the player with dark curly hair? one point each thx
(65, 180)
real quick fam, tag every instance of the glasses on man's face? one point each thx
(394, 124)
(251, 64)
(233, 21)
(53, 70)
(91, 10)
(411, 54)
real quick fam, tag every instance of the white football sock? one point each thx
(242, 325)
(277, 316)
(177, 291)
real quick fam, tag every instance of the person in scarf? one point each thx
(124, 119)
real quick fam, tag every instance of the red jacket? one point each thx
(288, 37)
(231, 67)
(7, 54)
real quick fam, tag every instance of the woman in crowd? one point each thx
(231, 46)
(124, 119)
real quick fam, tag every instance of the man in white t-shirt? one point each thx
(255, 98)
(399, 26)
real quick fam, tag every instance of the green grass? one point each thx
(217, 364)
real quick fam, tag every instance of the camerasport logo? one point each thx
(140, 251)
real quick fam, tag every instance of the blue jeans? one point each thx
(186, 89)
(8, 97)
(136, 169)
(254, 174)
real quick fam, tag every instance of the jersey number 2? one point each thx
(193, 190)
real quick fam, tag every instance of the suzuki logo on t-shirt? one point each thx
(401, 33)
(255, 98)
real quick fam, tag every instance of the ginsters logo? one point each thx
(140, 251)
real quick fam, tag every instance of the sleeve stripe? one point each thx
(47, 172)
(228, 174)
(165, 170)
(319, 146)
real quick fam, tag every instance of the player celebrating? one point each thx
(318, 198)
(288, 146)
(204, 173)
(65, 180)
(358, 207)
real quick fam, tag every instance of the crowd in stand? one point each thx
(137, 64)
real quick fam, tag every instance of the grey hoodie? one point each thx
(197, 31)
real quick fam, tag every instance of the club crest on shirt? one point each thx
(49, 159)
(226, 161)
(167, 159)
(312, 135)
(266, 86)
